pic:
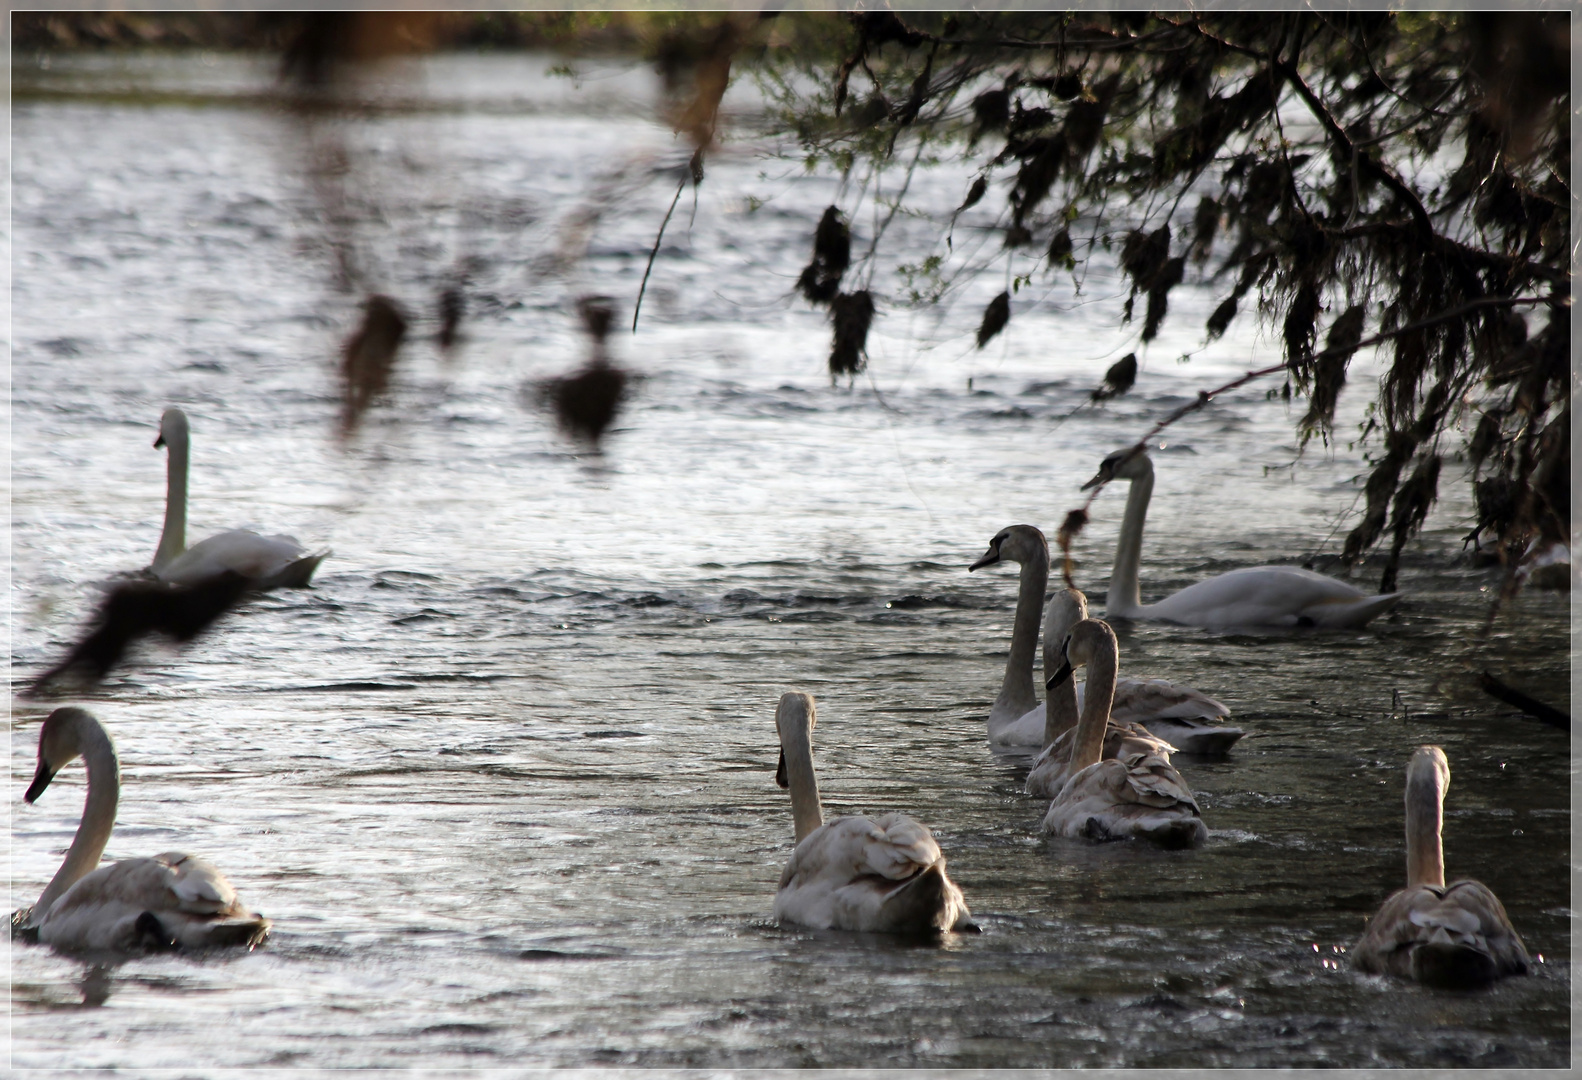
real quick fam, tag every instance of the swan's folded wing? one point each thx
(200, 888)
(845, 875)
(1466, 914)
(893, 847)
(905, 848)
(1152, 781)
(1051, 768)
(1115, 799)
(1271, 596)
(169, 882)
(1026, 730)
(1156, 699)
(1494, 925)
(239, 551)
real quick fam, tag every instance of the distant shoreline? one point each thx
(575, 32)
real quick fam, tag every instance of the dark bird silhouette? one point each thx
(1118, 379)
(139, 608)
(820, 281)
(452, 306)
(369, 358)
(586, 403)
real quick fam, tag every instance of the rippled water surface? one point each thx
(503, 777)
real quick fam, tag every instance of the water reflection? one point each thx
(95, 984)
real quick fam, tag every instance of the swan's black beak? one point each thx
(1102, 476)
(1061, 675)
(41, 781)
(159, 440)
(780, 772)
(989, 558)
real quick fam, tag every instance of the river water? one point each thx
(504, 777)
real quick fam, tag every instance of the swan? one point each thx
(1455, 935)
(169, 901)
(1251, 596)
(1015, 718)
(1052, 768)
(1137, 794)
(271, 562)
(881, 874)
(1173, 712)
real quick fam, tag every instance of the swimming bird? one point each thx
(169, 901)
(1137, 794)
(1251, 596)
(1456, 935)
(268, 562)
(1185, 716)
(1052, 768)
(882, 874)
(1008, 723)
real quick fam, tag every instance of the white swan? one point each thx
(1252, 596)
(1137, 794)
(1457, 935)
(1181, 713)
(1052, 768)
(881, 874)
(169, 901)
(271, 562)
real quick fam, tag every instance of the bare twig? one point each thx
(1076, 518)
(638, 307)
(1547, 714)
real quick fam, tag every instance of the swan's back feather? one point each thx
(1139, 796)
(858, 873)
(195, 906)
(258, 558)
(1025, 730)
(1457, 935)
(1139, 701)
(1052, 768)
(1271, 596)
(1143, 700)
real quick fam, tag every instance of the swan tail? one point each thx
(245, 931)
(927, 903)
(150, 935)
(1350, 614)
(297, 574)
(1177, 833)
(1172, 832)
(1452, 965)
(1202, 742)
(23, 927)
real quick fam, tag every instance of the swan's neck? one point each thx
(1060, 711)
(1425, 852)
(1098, 695)
(173, 540)
(1017, 696)
(98, 818)
(806, 810)
(1125, 595)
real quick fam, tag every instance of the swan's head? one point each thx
(172, 428)
(1087, 640)
(1122, 465)
(59, 744)
(794, 719)
(1067, 607)
(1021, 544)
